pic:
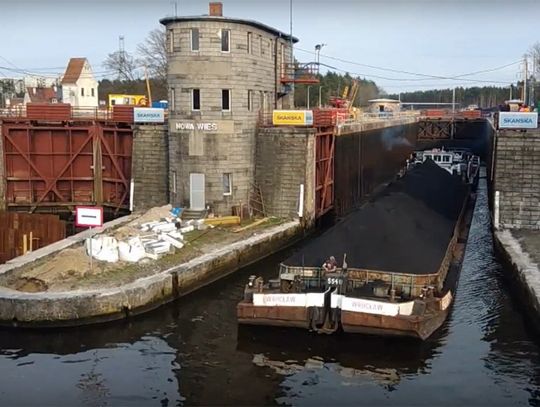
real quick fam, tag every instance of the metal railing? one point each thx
(66, 112)
(378, 117)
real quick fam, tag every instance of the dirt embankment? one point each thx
(406, 228)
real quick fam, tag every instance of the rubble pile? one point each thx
(153, 239)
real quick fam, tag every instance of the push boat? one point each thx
(385, 285)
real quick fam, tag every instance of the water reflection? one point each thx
(352, 359)
(120, 374)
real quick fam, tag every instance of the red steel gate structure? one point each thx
(324, 170)
(325, 140)
(56, 163)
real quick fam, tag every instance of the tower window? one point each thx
(225, 40)
(225, 99)
(196, 99)
(194, 39)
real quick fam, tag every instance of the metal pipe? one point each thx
(301, 202)
(496, 210)
(131, 194)
(276, 70)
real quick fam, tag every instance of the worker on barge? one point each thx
(330, 265)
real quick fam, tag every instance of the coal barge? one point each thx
(397, 259)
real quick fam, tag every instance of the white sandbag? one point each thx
(166, 227)
(104, 248)
(176, 235)
(132, 251)
(175, 242)
(187, 229)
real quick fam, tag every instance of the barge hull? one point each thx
(353, 322)
(296, 317)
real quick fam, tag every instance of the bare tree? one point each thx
(152, 53)
(123, 63)
(534, 52)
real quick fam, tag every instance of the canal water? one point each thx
(193, 353)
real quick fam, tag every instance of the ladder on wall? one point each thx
(256, 202)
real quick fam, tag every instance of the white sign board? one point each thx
(282, 300)
(148, 115)
(192, 126)
(369, 307)
(518, 120)
(88, 216)
(315, 300)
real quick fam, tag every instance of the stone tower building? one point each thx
(224, 75)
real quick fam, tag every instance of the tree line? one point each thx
(484, 97)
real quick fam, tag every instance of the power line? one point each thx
(425, 76)
(405, 79)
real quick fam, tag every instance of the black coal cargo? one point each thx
(404, 229)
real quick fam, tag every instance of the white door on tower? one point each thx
(196, 191)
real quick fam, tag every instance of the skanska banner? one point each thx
(148, 115)
(518, 120)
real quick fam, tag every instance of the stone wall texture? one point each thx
(517, 178)
(253, 78)
(150, 166)
(285, 160)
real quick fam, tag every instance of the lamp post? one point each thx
(318, 48)
(320, 104)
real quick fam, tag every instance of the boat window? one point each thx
(446, 159)
(437, 158)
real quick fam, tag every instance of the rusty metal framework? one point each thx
(300, 73)
(435, 129)
(444, 128)
(325, 140)
(51, 167)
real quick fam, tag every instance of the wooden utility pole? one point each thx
(524, 93)
(148, 87)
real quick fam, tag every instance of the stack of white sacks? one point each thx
(158, 239)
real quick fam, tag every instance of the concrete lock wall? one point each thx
(213, 141)
(150, 166)
(367, 159)
(517, 178)
(286, 160)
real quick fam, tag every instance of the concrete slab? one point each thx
(521, 248)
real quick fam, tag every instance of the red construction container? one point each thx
(54, 112)
(123, 113)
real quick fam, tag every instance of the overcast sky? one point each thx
(443, 38)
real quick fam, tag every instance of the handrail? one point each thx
(60, 111)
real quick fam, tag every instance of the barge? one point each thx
(390, 268)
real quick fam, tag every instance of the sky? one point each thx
(402, 45)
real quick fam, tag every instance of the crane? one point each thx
(346, 101)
